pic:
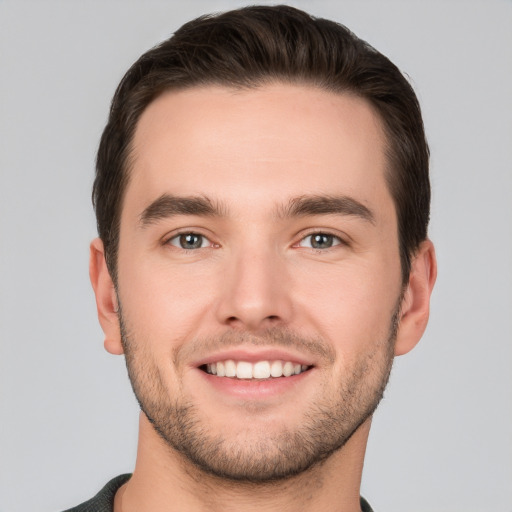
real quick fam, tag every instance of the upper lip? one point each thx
(255, 355)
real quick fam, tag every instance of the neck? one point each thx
(164, 481)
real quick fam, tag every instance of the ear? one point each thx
(106, 298)
(416, 302)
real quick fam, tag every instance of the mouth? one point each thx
(258, 370)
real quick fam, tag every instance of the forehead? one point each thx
(265, 144)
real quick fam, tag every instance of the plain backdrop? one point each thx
(441, 439)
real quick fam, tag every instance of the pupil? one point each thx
(321, 241)
(191, 241)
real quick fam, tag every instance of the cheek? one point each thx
(354, 307)
(164, 302)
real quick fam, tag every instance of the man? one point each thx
(262, 199)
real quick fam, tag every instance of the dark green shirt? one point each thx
(104, 500)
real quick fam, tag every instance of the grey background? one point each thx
(442, 438)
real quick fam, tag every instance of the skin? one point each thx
(253, 153)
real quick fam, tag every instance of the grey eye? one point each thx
(189, 241)
(320, 241)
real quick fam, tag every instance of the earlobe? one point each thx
(106, 298)
(416, 301)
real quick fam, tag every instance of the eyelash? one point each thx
(336, 241)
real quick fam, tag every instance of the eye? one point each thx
(189, 241)
(320, 241)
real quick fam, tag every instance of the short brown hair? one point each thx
(253, 46)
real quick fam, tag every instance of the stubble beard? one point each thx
(262, 457)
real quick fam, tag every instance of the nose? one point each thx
(256, 292)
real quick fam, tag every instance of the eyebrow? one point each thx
(326, 205)
(168, 205)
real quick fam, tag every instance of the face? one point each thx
(259, 275)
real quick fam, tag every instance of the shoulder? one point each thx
(365, 506)
(104, 500)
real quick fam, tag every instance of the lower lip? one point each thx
(254, 389)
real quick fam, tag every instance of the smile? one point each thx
(258, 370)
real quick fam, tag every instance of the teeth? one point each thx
(288, 369)
(230, 368)
(276, 369)
(259, 370)
(243, 370)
